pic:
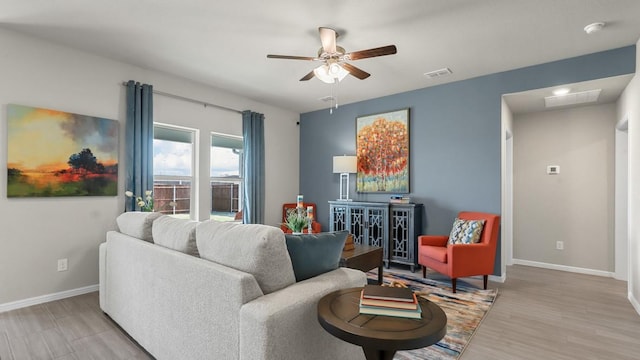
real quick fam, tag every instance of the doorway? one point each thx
(515, 103)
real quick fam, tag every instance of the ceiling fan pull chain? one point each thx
(332, 98)
(336, 83)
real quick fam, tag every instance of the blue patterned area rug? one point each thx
(465, 310)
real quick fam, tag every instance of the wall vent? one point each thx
(438, 73)
(572, 98)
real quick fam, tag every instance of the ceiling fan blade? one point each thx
(290, 57)
(381, 51)
(360, 74)
(308, 76)
(328, 39)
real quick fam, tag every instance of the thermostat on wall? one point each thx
(553, 169)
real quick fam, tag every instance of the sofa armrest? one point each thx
(470, 259)
(268, 323)
(433, 240)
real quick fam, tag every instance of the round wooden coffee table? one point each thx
(379, 336)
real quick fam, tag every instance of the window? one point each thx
(226, 176)
(173, 163)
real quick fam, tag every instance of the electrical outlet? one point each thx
(63, 265)
(559, 245)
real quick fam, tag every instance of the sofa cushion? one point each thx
(137, 224)
(176, 234)
(466, 231)
(315, 254)
(256, 249)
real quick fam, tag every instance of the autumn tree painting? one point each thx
(54, 153)
(382, 149)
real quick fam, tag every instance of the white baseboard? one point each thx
(47, 298)
(563, 268)
(634, 302)
(495, 278)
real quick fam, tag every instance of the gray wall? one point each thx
(454, 135)
(577, 205)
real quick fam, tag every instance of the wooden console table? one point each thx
(363, 258)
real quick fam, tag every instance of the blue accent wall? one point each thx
(454, 138)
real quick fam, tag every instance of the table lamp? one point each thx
(344, 165)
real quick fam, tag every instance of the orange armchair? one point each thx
(316, 227)
(460, 260)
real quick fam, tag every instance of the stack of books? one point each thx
(399, 199)
(348, 243)
(389, 301)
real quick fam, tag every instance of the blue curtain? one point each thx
(253, 144)
(139, 141)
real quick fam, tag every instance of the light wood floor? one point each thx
(548, 314)
(69, 329)
(539, 314)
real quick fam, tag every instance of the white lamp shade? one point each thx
(330, 74)
(345, 164)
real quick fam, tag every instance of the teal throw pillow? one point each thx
(315, 254)
(466, 231)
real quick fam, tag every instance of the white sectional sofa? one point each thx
(239, 300)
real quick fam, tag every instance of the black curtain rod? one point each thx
(162, 93)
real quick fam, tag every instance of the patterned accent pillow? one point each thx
(466, 231)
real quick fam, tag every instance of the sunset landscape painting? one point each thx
(55, 153)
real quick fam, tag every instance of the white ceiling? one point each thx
(533, 100)
(225, 43)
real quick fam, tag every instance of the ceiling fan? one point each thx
(334, 58)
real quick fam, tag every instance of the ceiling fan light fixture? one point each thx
(330, 73)
(334, 58)
(334, 69)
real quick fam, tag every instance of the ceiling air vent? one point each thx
(326, 98)
(437, 73)
(572, 98)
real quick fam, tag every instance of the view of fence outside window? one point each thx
(173, 169)
(173, 163)
(226, 176)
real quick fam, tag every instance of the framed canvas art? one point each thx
(382, 150)
(55, 153)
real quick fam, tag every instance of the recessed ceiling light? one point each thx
(595, 27)
(573, 98)
(561, 91)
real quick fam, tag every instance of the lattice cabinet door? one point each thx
(338, 217)
(406, 224)
(377, 229)
(358, 224)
